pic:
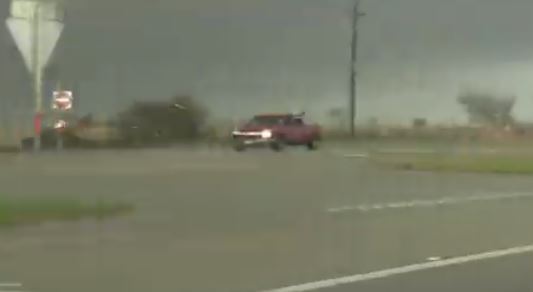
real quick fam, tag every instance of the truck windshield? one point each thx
(268, 120)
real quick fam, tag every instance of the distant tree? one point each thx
(337, 116)
(419, 123)
(486, 109)
(86, 120)
(155, 122)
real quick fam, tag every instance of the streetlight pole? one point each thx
(353, 67)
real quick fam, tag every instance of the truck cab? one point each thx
(277, 131)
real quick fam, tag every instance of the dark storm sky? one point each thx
(242, 56)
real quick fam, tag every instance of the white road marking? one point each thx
(347, 154)
(406, 151)
(330, 283)
(426, 203)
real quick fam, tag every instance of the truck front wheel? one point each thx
(277, 145)
(239, 146)
(312, 145)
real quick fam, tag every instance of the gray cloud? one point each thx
(244, 56)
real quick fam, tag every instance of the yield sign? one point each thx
(23, 33)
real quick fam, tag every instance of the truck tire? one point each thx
(239, 146)
(312, 145)
(277, 145)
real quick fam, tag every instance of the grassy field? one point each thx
(34, 211)
(477, 163)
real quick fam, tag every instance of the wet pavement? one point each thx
(224, 221)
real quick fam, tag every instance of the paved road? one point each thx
(509, 274)
(221, 221)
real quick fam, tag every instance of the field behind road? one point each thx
(222, 221)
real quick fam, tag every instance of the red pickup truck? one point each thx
(276, 131)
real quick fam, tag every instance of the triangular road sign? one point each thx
(22, 32)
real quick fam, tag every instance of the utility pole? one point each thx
(37, 70)
(353, 67)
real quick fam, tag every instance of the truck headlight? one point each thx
(266, 134)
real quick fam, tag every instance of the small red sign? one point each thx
(37, 123)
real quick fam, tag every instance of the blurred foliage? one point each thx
(419, 123)
(49, 139)
(180, 119)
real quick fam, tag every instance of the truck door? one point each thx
(295, 130)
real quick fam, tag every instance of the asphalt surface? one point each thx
(222, 221)
(510, 274)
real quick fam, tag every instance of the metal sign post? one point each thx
(36, 27)
(37, 75)
(59, 127)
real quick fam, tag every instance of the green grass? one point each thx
(34, 211)
(504, 164)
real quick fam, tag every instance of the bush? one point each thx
(49, 140)
(158, 122)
